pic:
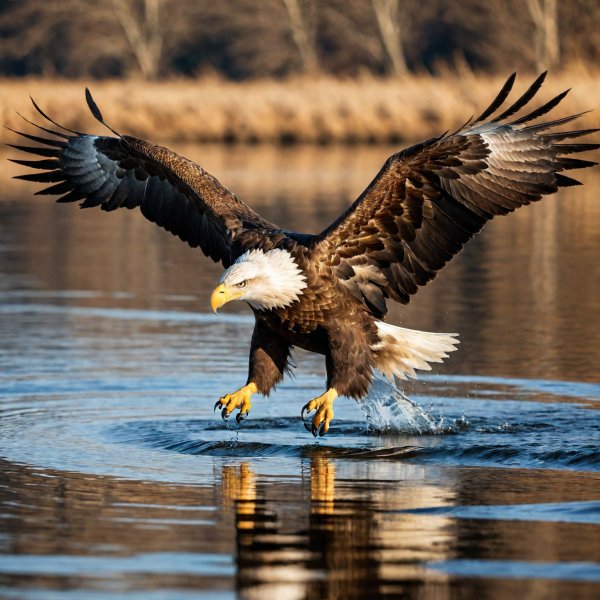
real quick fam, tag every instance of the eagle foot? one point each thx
(238, 399)
(323, 404)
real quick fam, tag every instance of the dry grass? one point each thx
(322, 110)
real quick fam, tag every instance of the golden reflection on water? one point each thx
(524, 295)
(239, 490)
(342, 531)
(342, 540)
(322, 485)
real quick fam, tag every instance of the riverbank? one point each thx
(322, 110)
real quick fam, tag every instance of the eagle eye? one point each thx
(242, 284)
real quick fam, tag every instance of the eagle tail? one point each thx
(401, 351)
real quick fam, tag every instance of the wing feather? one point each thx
(126, 172)
(523, 100)
(498, 100)
(429, 200)
(542, 110)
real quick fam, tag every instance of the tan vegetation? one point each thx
(298, 110)
(289, 71)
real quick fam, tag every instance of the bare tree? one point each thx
(75, 37)
(389, 22)
(144, 32)
(273, 38)
(349, 33)
(544, 14)
(303, 26)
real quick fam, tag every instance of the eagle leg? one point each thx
(238, 399)
(323, 404)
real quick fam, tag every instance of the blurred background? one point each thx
(243, 39)
(290, 70)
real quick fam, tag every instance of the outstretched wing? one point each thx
(429, 200)
(125, 172)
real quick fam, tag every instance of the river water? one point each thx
(117, 478)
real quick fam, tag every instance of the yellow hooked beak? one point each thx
(222, 295)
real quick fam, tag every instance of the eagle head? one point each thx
(265, 280)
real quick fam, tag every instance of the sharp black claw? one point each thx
(217, 405)
(304, 410)
(307, 427)
(315, 430)
(322, 431)
(224, 414)
(241, 417)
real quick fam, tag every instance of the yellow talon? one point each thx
(238, 399)
(324, 406)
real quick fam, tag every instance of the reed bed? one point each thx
(322, 110)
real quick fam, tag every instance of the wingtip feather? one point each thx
(36, 106)
(524, 99)
(96, 112)
(499, 99)
(93, 106)
(50, 131)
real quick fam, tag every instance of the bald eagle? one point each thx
(327, 292)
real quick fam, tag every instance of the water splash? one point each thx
(387, 409)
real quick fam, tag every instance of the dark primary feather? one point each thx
(428, 201)
(171, 191)
(93, 106)
(523, 100)
(498, 100)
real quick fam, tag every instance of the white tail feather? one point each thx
(401, 351)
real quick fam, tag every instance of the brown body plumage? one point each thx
(419, 211)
